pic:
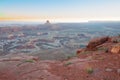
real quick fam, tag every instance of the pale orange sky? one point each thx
(59, 10)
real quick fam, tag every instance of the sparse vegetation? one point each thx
(99, 58)
(30, 60)
(89, 70)
(85, 52)
(103, 49)
(119, 35)
(68, 63)
(116, 40)
(69, 57)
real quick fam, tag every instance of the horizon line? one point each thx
(36, 22)
(60, 21)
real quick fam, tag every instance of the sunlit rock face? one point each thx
(96, 42)
(116, 49)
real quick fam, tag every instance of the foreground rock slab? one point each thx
(116, 49)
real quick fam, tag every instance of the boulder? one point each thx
(116, 49)
(79, 51)
(96, 42)
(108, 70)
(118, 71)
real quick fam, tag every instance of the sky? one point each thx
(59, 10)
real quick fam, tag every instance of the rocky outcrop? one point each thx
(96, 42)
(116, 49)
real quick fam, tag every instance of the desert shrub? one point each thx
(118, 39)
(98, 58)
(85, 52)
(30, 60)
(119, 35)
(103, 49)
(115, 41)
(68, 63)
(69, 57)
(89, 70)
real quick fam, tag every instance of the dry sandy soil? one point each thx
(90, 65)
